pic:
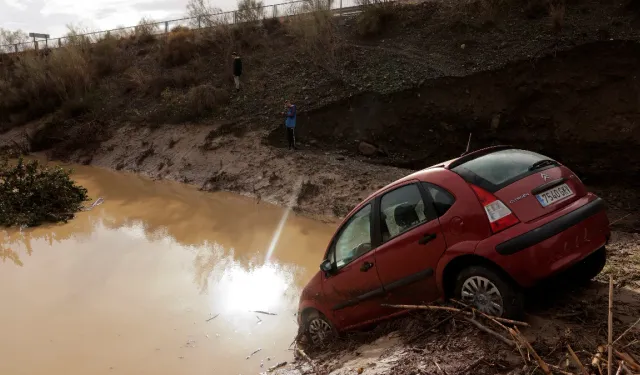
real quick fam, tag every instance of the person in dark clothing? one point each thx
(290, 123)
(237, 69)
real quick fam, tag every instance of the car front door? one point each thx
(411, 244)
(352, 289)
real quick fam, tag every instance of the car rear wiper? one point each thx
(543, 163)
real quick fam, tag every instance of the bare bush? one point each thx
(250, 11)
(201, 100)
(178, 48)
(76, 36)
(146, 30)
(201, 12)
(374, 17)
(107, 57)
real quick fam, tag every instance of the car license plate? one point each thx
(554, 195)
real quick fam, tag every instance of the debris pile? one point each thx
(437, 343)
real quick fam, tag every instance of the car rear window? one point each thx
(498, 169)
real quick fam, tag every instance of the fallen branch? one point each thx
(273, 368)
(263, 312)
(491, 332)
(453, 309)
(610, 327)
(543, 365)
(492, 318)
(560, 370)
(306, 357)
(210, 319)
(620, 368)
(438, 366)
(576, 360)
(472, 366)
(626, 331)
(628, 360)
(254, 352)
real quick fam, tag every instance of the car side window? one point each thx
(401, 210)
(355, 238)
(442, 199)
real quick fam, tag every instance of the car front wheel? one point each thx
(318, 329)
(489, 292)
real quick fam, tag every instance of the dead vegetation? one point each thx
(374, 17)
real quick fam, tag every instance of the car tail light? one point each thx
(499, 215)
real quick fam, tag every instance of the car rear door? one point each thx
(529, 184)
(353, 290)
(411, 244)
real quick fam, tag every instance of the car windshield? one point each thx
(498, 169)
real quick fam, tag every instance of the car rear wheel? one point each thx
(318, 329)
(489, 292)
(591, 266)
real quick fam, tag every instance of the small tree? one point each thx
(12, 37)
(250, 10)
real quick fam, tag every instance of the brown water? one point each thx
(127, 288)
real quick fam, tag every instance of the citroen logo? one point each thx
(544, 176)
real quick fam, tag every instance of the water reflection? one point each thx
(135, 280)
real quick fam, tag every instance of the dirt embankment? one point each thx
(415, 88)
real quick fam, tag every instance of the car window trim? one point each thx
(426, 200)
(332, 246)
(455, 199)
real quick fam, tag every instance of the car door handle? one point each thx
(366, 266)
(427, 238)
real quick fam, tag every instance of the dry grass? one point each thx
(39, 83)
(315, 30)
(178, 48)
(108, 57)
(201, 100)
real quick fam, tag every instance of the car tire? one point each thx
(489, 292)
(318, 330)
(591, 266)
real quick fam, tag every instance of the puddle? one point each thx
(130, 287)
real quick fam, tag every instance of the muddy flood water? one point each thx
(131, 286)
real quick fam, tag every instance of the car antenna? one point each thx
(468, 146)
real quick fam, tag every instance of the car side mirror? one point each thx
(326, 266)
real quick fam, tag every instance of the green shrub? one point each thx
(31, 194)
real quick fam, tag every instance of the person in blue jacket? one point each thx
(290, 123)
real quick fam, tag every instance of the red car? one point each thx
(480, 228)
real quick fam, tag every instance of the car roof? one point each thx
(449, 164)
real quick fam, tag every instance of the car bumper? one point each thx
(543, 248)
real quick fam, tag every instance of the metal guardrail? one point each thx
(229, 18)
